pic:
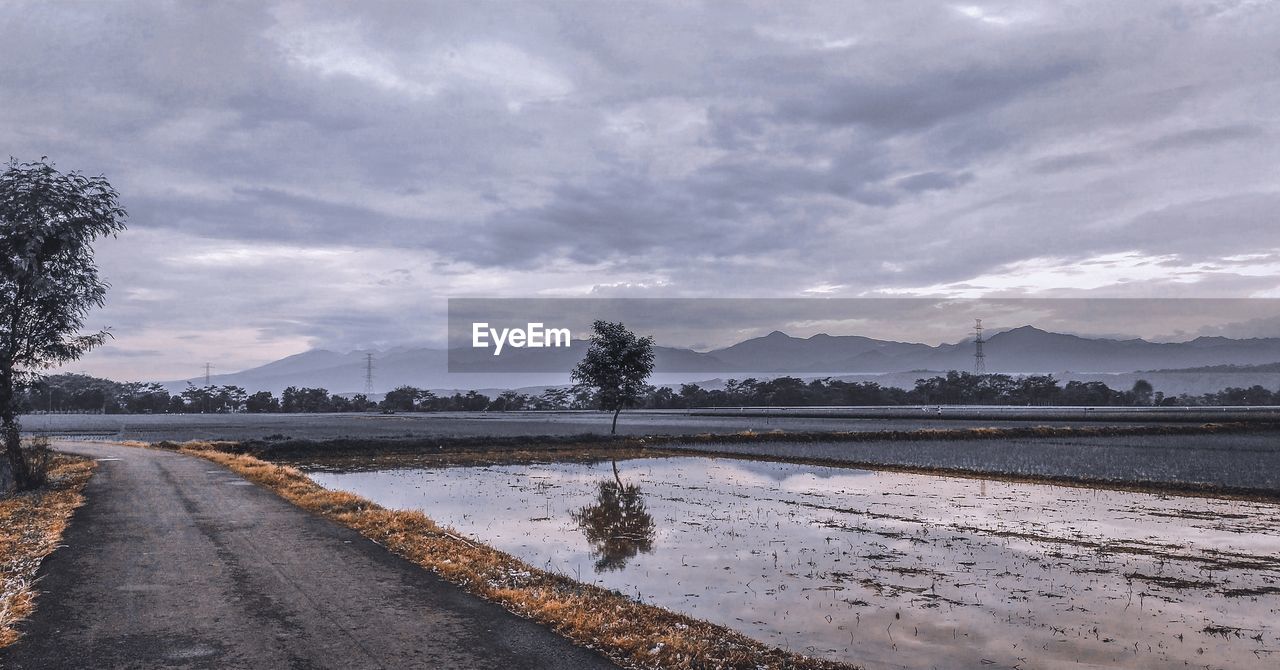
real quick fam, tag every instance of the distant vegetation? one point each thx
(81, 393)
(954, 388)
(1228, 368)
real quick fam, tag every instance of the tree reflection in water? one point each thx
(617, 526)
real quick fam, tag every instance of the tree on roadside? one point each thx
(616, 366)
(48, 279)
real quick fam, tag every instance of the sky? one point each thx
(327, 175)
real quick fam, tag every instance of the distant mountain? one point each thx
(1029, 349)
(1264, 368)
(1021, 350)
(345, 373)
(779, 352)
(563, 359)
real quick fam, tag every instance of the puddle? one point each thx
(889, 570)
(190, 653)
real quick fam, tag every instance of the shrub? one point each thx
(39, 460)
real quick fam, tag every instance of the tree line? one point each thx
(82, 393)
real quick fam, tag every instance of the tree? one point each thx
(361, 403)
(402, 398)
(140, 398)
(48, 279)
(554, 398)
(509, 401)
(616, 366)
(305, 399)
(231, 398)
(472, 401)
(1142, 392)
(262, 402)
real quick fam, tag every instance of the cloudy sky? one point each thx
(328, 174)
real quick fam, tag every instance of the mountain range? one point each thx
(1021, 350)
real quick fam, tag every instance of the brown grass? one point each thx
(31, 525)
(630, 633)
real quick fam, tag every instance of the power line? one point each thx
(979, 358)
(207, 368)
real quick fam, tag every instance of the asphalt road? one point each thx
(175, 562)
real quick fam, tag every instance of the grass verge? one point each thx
(31, 524)
(632, 634)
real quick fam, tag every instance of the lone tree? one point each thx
(616, 366)
(48, 279)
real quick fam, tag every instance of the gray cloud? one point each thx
(934, 181)
(1207, 229)
(1066, 162)
(927, 98)
(1203, 136)
(281, 161)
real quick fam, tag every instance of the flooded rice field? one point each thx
(888, 570)
(1241, 462)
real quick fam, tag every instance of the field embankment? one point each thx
(637, 424)
(1220, 459)
(31, 525)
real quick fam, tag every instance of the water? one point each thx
(884, 569)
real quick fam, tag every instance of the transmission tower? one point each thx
(207, 368)
(979, 358)
(368, 375)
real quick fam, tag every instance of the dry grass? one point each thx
(31, 526)
(632, 634)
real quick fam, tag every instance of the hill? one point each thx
(1023, 350)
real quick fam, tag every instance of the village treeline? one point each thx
(81, 393)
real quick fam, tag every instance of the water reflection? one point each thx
(884, 569)
(617, 526)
